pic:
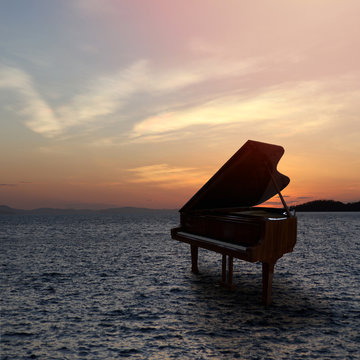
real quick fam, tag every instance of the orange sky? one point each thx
(107, 103)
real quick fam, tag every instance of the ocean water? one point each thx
(117, 286)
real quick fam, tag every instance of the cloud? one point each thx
(16, 184)
(40, 117)
(105, 95)
(109, 94)
(107, 98)
(164, 175)
(288, 108)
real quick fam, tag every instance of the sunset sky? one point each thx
(107, 103)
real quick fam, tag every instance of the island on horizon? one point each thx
(327, 206)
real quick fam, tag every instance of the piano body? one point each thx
(223, 217)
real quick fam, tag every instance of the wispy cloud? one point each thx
(38, 114)
(289, 108)
(16, 184)
(106, 99)
(108, 95)
(164, 175)
(105, 95)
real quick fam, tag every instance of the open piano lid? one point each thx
(245, 180)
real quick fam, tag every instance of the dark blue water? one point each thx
(117, 286)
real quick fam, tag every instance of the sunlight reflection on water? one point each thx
(115, 286)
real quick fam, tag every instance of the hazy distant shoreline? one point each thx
(316, 206)
(4, 209)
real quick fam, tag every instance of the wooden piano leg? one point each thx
(226, 276)
(223, 270)
(267, 276)
(194, 259)
(230, 271)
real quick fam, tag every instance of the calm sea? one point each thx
(117, 286)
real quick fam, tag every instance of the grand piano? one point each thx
(223, 215)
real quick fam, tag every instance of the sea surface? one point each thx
(117, 287)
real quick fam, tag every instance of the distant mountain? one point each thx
(327, 205)
(6, 210)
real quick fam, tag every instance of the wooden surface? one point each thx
(251, 239)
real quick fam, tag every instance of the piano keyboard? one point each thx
(213, 241)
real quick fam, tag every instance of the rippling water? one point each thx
(116, 286)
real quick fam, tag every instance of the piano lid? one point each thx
(244, 180)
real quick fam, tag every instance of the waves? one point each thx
(117, 286)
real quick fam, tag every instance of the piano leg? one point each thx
(267, 276)
(223, 270)
(230, 271)
(227, 276)
(194, 259)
